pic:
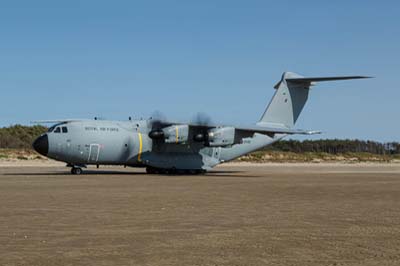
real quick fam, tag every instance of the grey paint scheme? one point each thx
(128, 142)
(122, 147)
(287, 103)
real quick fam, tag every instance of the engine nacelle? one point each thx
(223, 136)
(156, 134)
(200, 137)
(176, 134)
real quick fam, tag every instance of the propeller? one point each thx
(156, 123)
(157, 119)
(202, 119)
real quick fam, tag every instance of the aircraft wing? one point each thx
(56, 121)
(276, 130)
(212, 135)
(245, 130)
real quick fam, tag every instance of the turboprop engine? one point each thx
(171, 134)
(221, 136)
(217, 137)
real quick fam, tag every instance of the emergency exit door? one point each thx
(216, 152)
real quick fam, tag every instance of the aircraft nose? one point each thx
(41, 144)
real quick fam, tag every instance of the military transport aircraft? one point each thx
(168, 147)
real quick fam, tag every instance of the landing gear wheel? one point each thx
(165, 171)
(195, 172)
(76, 170)
(151, 170)
(180, 172)
(192, 172)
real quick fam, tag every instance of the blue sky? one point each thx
(114, 59)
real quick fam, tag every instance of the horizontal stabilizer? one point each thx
(291, 96)
(308, 81)
(318, 79)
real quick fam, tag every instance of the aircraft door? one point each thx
(94, 150)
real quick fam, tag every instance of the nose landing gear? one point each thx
(76, 170)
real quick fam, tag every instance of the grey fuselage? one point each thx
(102, 142)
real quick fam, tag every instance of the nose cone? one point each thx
(41, 144)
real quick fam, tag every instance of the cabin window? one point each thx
(58, 130)
(64, 130)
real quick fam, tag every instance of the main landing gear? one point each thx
(174, 171)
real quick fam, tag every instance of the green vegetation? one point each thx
(285, 156)
(19, 137)
(19, 154)
(336, 146)
(327, 150)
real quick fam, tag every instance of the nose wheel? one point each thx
(76, 170)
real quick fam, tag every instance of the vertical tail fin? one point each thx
(290, 97)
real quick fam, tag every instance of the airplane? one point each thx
(167, 147)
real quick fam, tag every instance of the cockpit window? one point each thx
(51, 129)
(64, 130)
